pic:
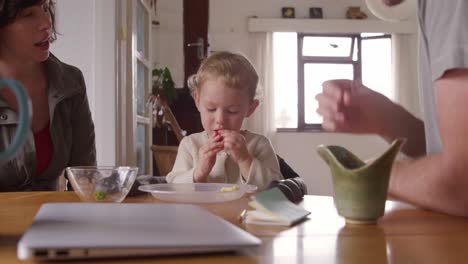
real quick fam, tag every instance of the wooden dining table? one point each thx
(405, 234)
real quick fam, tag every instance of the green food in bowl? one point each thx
(99, 196)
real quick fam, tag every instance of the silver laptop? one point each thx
(95, 230)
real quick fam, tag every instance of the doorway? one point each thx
(195, 43)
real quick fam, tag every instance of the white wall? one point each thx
(168, 39)
(105, 81)
(299, 150)
(74, 44)
(87, 41)
(228, 31)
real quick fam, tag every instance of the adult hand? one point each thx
(207, 157)
(350, 107)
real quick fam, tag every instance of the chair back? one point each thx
(164, 156)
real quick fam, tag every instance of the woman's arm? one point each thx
(83, 150)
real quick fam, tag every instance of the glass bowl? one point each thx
(102, 184)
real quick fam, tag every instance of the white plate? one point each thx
(196, 192)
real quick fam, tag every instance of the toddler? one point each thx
(224, 90)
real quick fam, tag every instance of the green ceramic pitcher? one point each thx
(360, 188)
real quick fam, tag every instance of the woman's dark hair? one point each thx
(9, 9)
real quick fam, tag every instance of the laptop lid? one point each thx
(95, 230)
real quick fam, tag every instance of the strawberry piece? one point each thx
(218, 133)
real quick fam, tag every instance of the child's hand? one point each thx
(235, 145)
(207, 158)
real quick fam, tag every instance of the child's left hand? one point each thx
(235, 145)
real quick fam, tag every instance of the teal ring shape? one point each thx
(24, 119)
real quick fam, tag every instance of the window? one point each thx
(134, 69)
(302, 62)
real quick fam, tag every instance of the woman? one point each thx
(62, 130)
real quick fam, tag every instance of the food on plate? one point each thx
(229, 189)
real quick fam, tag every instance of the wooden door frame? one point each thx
(196, 18)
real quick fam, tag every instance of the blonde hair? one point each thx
(235, 69)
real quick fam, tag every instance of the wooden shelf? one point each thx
(330, 25)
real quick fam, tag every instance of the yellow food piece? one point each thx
(229, 189)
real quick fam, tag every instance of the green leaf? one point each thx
(164, 84)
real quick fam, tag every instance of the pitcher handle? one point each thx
(24, 118)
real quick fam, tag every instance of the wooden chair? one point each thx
(164, 156)
(172, 121)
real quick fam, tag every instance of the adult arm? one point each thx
(440, 181)
(83, 149)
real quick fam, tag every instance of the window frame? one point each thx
(128, 118)
(356, 43)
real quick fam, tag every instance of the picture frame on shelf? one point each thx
(315, 12)
(355, 12)
(288, 12)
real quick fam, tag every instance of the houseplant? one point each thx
(163, 87)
